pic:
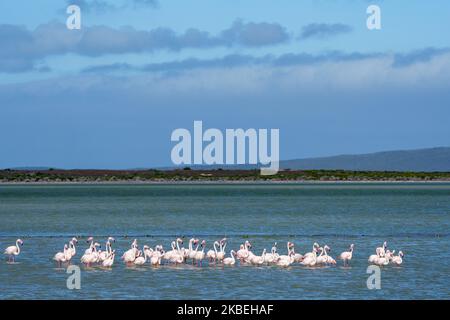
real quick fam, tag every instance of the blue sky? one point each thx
(110, 94)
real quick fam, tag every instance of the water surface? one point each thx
(414, 218)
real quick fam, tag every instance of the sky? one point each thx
(110, 94)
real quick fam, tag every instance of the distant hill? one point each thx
(429, 160)
(419, 160)
(31, 168)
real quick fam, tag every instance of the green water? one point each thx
(414, 218)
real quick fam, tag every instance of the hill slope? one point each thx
(433, 159)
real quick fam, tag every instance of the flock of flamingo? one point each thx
(195, 254)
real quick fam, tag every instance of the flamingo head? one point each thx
(195, 241)
(400, 253)
(111, 239)
(146, 247)
(203, 243)
(327, 248)
(291, 244)
(385, 244)
(352, 246)
(90, 239)
(74, 240)
(97, 245)
(66, 247)
(180, 240)
(19, 241)
(316, 245)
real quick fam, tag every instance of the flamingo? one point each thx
(382, 261)
(285, 260)
(167, 255)
(190, 250)
(321, 259)
(289, 252)
(105, 254)
(315, 245)
(141, 259)
(193, 253)
(273, 256)
(329, 259)
(373, 257)
(155, 259)
(243, 253)
(72, 248)
(258, 260)
(250, 254)
(311, 259)
(61, 257)
(178, 254)
(91, 246)
(221, 254)
(398, 260)
(346, 256)
(130, 255)
(230, 261)
(381, 251)
(212, 254)
(109, 261)
(201, 254)
(297, 256)
(13, 251)
(149, 251)
(92, 256)
(389, 254)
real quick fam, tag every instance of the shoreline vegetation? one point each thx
(188, 175)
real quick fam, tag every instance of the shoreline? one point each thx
(224, 182)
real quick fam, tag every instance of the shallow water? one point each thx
(414, 218)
